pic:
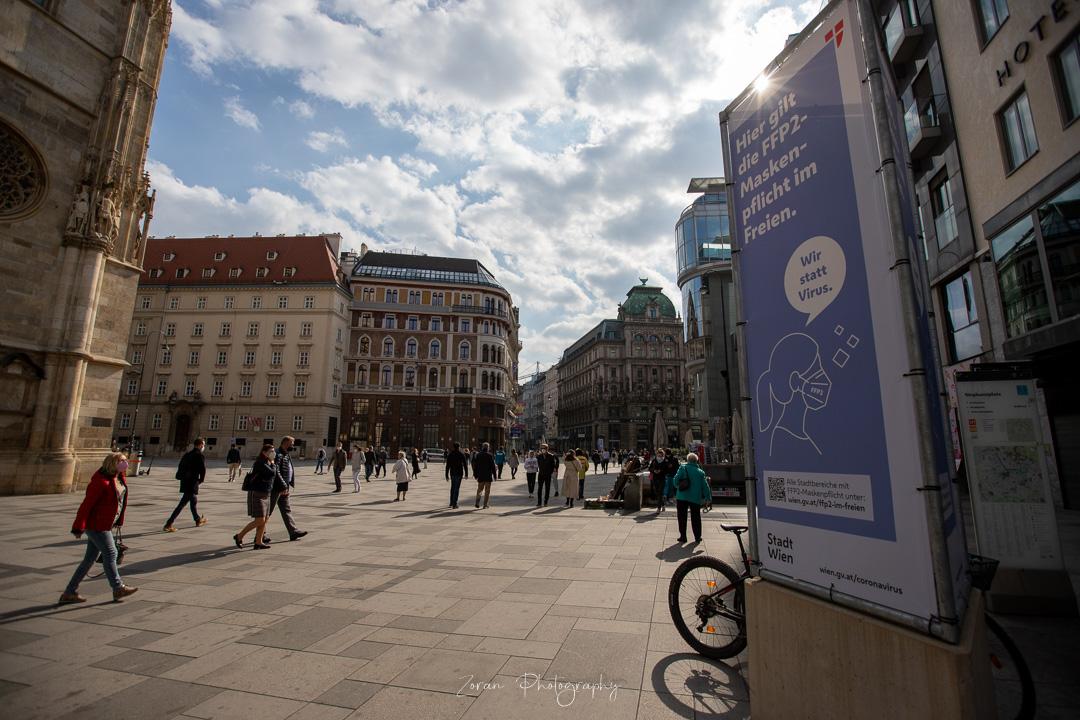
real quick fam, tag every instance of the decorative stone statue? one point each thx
(80, 211)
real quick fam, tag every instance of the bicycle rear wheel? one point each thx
(705, 598)
(1013, 684)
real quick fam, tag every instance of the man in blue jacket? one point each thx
(280, 500)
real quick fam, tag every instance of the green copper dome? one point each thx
(639, 297)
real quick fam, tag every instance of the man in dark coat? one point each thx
(546, 465)
(456, 469)
(338, 462)
(484, 471)
(280, 500)
(369, 463)
(191, 472)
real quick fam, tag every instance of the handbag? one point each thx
(684, 482)
(248, 481)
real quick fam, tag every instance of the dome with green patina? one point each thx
(641, 296)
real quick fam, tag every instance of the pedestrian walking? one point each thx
(357, 467)
(380, 461)
(596, 461)
(583, 469)
(414, 457)
(571, 470)
(500, 461)
(547, 465)
(101, 510)
(605, 458)
(456, 469)
(513, 461)
(281, 499)
(671, 468)
(658, 477)
(338, 462)
(696, 494)
(531, 466)
(484, 472)
(320, 458)
(369, 463)
(265, 480)
(403, 474)
(232, 459)
(190, 472)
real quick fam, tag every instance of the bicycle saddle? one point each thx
(733, 528)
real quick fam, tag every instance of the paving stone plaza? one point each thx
(385, 609)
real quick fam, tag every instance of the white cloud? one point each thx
(244, 118)
(302, 109)
(321, 141)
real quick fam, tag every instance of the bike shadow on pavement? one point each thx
(692, 685)
(680, 551)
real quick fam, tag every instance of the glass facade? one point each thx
(702, 235)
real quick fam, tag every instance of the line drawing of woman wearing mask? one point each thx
(794, 384)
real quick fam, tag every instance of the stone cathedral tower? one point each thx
(78, 85)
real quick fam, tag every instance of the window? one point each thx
(132, 386)
(410, 348)
(464, 326)
(245, 388)
(269, 422)
(275, 357)
(288, 272)
(182, 272)
(256, 302)
(229, 302)
(196, 329)
(384, 407)
(125, 420)
(369, 294)
(136, 357)
(335, 391)
(302, 358)
(170, 329)
(410, 378)
(241, 422)
(213, 423)
(272, 388)
(140, 328)
(234, 273)
(1066, 65)
(463, 351)
(168, 257)
(219, 256)
(200, 303)
(941, 203)
(305, 329)
(249, 357)
(174, 303)
(391, 296)
(166, 357)
(253, 329)
(388, 347)
(301, 388)
(1017, 131)
(279, 329)
(226, 329)
(962, 319)
(414, 322)
(156, 273)
(365, 346)
(271, 255)
(436, 324)
(283, 302)
(155, 421)
(193, 357)
(992, 13)
(297, 423)
(388, 322)
(219, 388)
(189, 388)
(162, 387)
(387, 375)
(436, 298)
(222, 357)
(309, 302)
(433, 349)
(144, 302)
(261, 272)
(366, 320)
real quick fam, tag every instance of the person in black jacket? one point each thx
(191, 472)
(484, 470)
(264, 481)
(456, 468)
(546, 465)
(280, 498)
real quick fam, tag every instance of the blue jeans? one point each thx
(455, 486)
(318, 466)
(97, 542)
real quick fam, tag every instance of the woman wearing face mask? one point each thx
(264, 480)
(101, 510)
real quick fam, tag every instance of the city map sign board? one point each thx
(837, 453)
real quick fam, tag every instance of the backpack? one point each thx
(248, 481)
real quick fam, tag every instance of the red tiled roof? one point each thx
(310, 255)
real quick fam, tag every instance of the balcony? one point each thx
(923, 127)
(463, 390)
(901, 38)
(479, 310)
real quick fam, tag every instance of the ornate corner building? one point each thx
(614, 380)
(75, 205)
(432, 354)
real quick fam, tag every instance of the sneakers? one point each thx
(70, 598)
(168, 528)
(202, 521)
(122, 592)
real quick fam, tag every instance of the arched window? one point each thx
(365, 346)
(463, 379)
(669, 352)
(361, 375)
(498, 382)
(653, 338)
(433, 349)
(668, 338)
(652, 312)
(388, 347)
(387, 375)
(639, 338)
(410, 348)
(483, 381)
(463, 351)
(410, 377)
(433, 378)
(484, 353)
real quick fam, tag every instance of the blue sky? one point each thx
(551, 140)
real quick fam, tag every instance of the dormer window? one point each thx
(289, 271)
(261, 272)
(234, 272)
(219, 256)
(272, 255)
(208, 272)
(182, 272)
(168, 257)
(156, 273)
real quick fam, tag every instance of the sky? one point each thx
(552, 140)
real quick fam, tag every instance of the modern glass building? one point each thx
(703, 245)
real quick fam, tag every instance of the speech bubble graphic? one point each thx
(814, 276)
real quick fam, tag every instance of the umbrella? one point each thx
(659, 431)
(736, 435)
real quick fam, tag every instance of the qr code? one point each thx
(776, 489)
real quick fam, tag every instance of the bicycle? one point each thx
(707, 604)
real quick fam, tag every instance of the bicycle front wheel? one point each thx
(705, 598)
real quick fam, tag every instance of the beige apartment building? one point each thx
(235, 338)
(1013, 74)
(432, 353)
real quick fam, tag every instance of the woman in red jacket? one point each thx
(102, 509)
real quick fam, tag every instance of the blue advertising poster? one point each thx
(835, 444)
